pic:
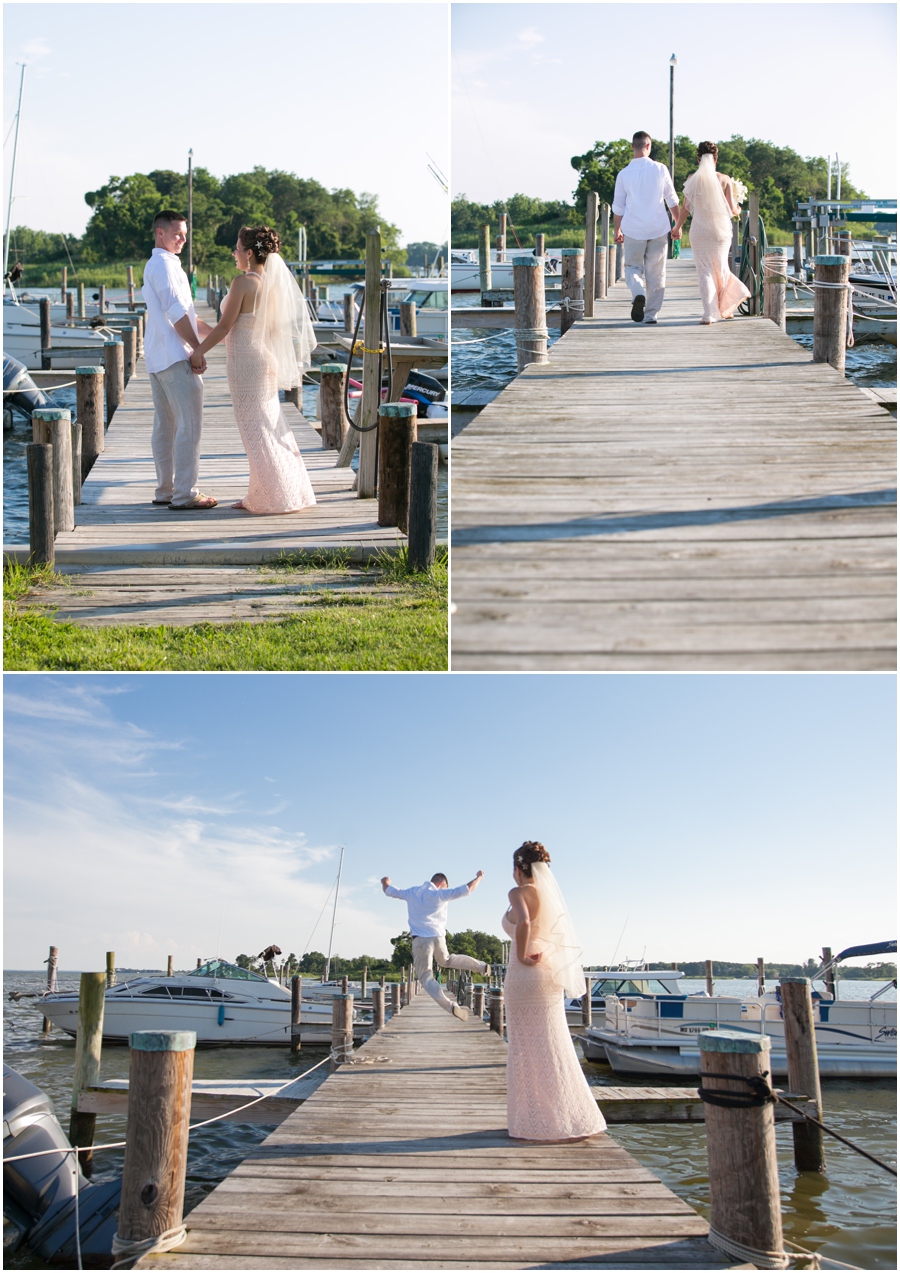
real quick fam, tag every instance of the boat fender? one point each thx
(221, 1014)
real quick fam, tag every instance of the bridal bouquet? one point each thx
(740, 191)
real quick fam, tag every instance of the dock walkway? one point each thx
(118, 526)
(676, 497)
(401, 1160)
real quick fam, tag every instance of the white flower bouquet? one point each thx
(740, 191)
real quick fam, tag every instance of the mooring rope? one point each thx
(749, 1254)
(128, 1250)
(530, 333)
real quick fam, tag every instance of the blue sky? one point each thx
(688, 817)
(534, 84)
(116, 88)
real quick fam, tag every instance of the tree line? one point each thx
(779, 175)
(472, 942)
(724, 969)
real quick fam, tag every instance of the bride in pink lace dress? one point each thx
(547, 1094)
(268, 342)
(709, 200)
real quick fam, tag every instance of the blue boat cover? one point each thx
(877, 948)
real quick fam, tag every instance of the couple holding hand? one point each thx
(548, 1097)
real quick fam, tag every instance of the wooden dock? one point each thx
(401, 1160)
(676, 497)
(117, 525)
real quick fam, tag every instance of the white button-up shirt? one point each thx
(167, 294)
(643, 190)
(427, 906)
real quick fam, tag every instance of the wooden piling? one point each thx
(422, 520)
(586, 1002)
(590, 243)
(110, 968)
(345, 985)
(82, 308)
(331, 405)
(88, 1045)
(396, 435)
(798, 253)
(41, 531)
(89, 384)
(129, 352)
(531, 316)
(803, 1069)
(572, 287)
(745, 1205)
(140, 321)
(760, 977)
(601, 282)
(101, 299)
(371, 393)
(495, 1008)
(620, 262)
(830, 308)
(159, 1108)
(63, 282)
(501, 239)
(753, 245)
(775, 286)
(130, 270)
(46, 336)
(395, 998)
(51, 963)
(408, 325)
(114, 365)
(709, 977)
(404, 994)
(55, 427)
(341, 1030)
(378, 1007)
(170, 966)
(478, 1001)
(484, 259)
(70, 306)
(294, 396)
(296, 1009)
(76, 462)
(469, 996)
(349, 313)
(540, 245)
(829, 976)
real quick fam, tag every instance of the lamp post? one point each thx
(673, 62)
(190, 242)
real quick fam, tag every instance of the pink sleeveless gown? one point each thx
(547, 1094)
(720, 291)
(279, 482)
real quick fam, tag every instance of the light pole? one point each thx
(673, 62)
(190, 242)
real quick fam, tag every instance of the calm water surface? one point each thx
(847, 1214)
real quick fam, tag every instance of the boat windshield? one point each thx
(220, 969)
(638, 986)
(427, 300)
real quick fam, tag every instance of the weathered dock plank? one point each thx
(675, 497)
(402, 1160)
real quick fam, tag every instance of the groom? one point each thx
(170, 338)
(427, 909)
(643, 192)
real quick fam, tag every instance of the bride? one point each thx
(709, 198)
(268, 342)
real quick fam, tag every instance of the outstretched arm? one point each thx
(385, 883)
(473, 884)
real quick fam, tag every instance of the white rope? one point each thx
(530, 333)
(761, 1259)
(127, 1250)
(481, 339)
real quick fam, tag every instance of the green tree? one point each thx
(477, 945)
(119, 229)
(598, 168)
(402, 956)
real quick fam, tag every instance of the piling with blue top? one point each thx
(55, 427)
(831, 310)
(531, 310)
(396, 435)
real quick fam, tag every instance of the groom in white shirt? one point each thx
(427, 908)
(643, 192)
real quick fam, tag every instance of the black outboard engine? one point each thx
(19, 390)
(39, 1193)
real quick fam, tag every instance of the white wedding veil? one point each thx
(703, 191)
(557, 930)
(283, 326)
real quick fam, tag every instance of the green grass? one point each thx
(398, 624)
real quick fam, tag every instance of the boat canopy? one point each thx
(218, 968)
(876, 948)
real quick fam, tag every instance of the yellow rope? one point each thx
(360, 347)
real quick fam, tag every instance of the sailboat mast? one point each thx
(12, 175)
(334, 916)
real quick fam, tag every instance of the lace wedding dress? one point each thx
(720, 291)
(547, 1095)
(279, 482)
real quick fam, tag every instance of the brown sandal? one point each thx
(202, 501)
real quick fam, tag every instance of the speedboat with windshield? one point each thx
(221, 1002)
(633, 979)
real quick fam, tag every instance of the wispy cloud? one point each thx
(529, 37)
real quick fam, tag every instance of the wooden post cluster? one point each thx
(110, 968)
(371, 393)
(745, 1204)
(531, 310)
(46, 330)
(423, 491)
(803, 1069)
(586, 1002)
(51, 962)
(159, 1110)
(341, 1029)
(496, 1010)
(114, 365)
(378, 1007)
(55, 428)
(590, 243)
(408, 324)
(572, 287)
(775, 286)
(41, 514)
(331, 405)
(89, 385)
(396, 435)
(88, 1046)
(830, 308)
(478, 1001)
(296, 1011)
(484, 259)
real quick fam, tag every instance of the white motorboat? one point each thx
(855, 1038)
(222, 1003)
(70, 346)
(464, 272)
(632, 980)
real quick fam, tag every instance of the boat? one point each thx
(633, 979)
(20, 391)
(464, 269)
(855, 1038)
(221, 1002)
(71, 347)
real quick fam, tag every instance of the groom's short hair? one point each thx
(439, 879)
(640, 139)
(169, 216)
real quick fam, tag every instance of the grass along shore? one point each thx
(394, 622)
(573, 237)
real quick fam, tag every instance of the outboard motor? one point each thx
(39, 1193)
(19, 390)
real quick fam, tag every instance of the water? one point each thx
(847, 1214)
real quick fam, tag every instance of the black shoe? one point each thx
(637, 309)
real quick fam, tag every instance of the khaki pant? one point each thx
(645, 271)
(434, 949)
(177, 420)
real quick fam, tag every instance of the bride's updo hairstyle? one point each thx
(525, 857)
(261, 240)
(708, 148)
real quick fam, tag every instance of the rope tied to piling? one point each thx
(568, 303)
(749, 1254)
(761, 1094)
(360, 348)
(530, 333)
(129, 1251)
